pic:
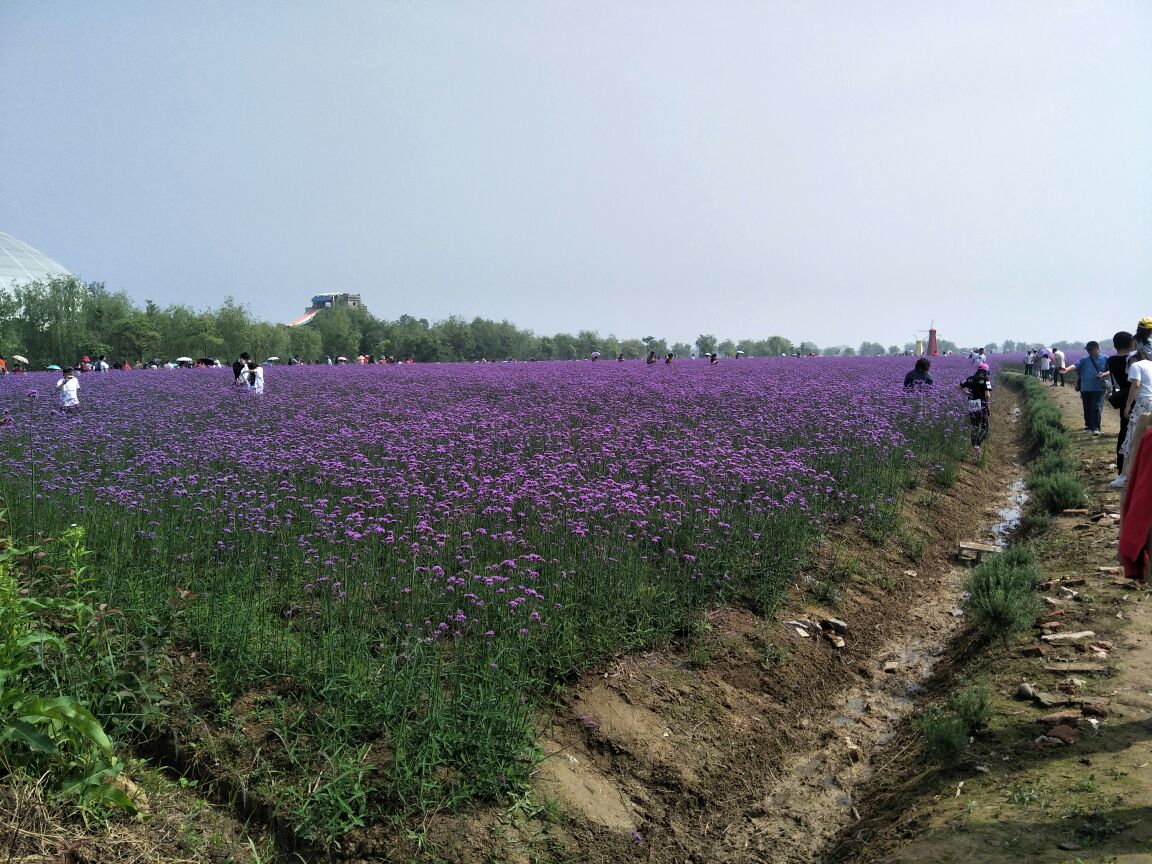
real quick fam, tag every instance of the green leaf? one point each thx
(36, 741)
(70, 712)
(40, 638)
(106, 793)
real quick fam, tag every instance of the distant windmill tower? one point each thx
(933, 348)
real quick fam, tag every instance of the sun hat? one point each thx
(1145, 324)
(983, 366)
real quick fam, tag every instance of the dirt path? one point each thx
(1016, 800)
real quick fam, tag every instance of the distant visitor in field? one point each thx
(668, 359)
(651, 358)
(68, 388)
(1091, 371)
(239, 368)
(1118, 398)
(978, 386)
(620, 358)
(713, 359)
(918, 374)
(1029, 362)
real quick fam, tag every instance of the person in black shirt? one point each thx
(978, 386)
(1118, 368)
(240, 367)
(919, 375)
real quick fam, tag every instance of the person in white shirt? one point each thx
(1058, 360)
(255, 377)
(68, 387)
(1139, 402)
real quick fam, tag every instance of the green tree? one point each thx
(134, 339)
(234, 328)
(304, 342)
(705, 344)
(52, 315)
(339, 335)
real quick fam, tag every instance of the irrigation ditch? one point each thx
(1058, 770)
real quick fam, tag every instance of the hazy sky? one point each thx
(830, 171)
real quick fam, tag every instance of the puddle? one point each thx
(1010, 514)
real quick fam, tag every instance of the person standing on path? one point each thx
(1138, 403)
(1058, 362)
(1091, 370)
(1045, 363)
(1118, 369)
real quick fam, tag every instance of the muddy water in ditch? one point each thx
(813, 798)
(1010, 514)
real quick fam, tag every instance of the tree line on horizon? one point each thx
(60, 319)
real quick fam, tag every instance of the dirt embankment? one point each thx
(1031, 791)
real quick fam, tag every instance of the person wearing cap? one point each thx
(978, 386)
(1091, 371)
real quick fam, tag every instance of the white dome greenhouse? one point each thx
(20, 264)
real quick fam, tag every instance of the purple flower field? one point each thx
(426, 549)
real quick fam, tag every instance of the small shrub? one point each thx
(1002, 592)
(1035, 523)
(827, 593)
(1056, 492)
(1049, 464)
(947, 475)
(971, 705)
(945, 735)
(914, 546)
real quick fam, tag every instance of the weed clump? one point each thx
(1056, 492)
(1002, 593)
(1052, 476)
(946, 730)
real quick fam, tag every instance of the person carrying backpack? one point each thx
(978, 386)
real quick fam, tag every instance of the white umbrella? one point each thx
(345, 359)
(272, 360)
(182, 360)
(19, 359)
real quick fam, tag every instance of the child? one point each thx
(69, 389)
